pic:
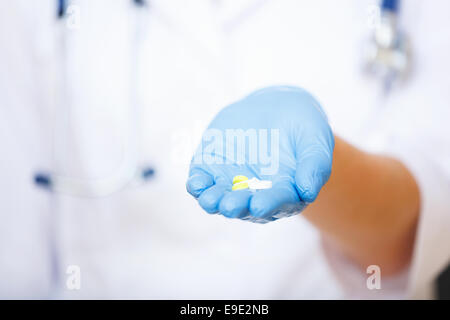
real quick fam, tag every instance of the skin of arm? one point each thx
(368, 209)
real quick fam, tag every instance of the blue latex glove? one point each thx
(301, 161)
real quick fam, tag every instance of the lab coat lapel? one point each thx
(202, 21)
(194, 20)
(233, 13)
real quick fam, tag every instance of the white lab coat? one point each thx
(192, 58)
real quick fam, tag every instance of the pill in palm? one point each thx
(242, 182)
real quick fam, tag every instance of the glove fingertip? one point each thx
(198, 182)
(307, 195)
(309, 185)
(210, 199)
(235, 204)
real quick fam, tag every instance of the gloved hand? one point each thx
(293, 148)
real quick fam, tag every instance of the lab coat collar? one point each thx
(227, 13)
(233, 12)
(193, 20)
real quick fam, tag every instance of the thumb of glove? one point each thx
(313, 167)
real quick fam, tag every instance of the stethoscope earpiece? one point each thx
(388, 55)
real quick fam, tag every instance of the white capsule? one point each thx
(256, 184)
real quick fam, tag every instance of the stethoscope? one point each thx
(129, 173)
(61, 8)
(387, 59)
(388, 54)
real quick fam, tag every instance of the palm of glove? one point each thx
(279, 134)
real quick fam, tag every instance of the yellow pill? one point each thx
(238, 179)
(239, 186)
(239, 183)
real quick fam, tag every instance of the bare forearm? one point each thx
(368, 209)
